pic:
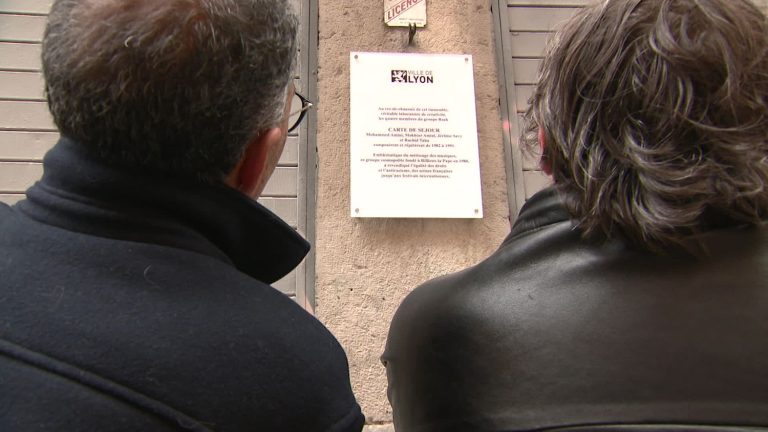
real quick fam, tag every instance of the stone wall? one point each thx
(366, 266)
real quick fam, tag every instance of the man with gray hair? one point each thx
(633, 294)
(135, 288)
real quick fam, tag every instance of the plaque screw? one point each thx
(355, 56)
(357, 210)
(477, 211)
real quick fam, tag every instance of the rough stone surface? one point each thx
(366, 266)
(379, 428)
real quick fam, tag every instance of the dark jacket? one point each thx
(553, 331)
(135, 303)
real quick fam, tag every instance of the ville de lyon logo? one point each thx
(412, 77)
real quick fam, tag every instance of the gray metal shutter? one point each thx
(27, 131)
(299, 208)
(523, 28)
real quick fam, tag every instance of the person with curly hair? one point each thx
(632, 295)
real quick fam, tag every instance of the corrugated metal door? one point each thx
(523, 28)
(27, 131)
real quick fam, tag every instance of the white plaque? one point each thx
(413, 136)
(402, 13)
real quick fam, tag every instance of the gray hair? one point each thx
(172, 86)
(655, 114)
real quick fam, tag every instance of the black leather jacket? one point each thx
(555, 332)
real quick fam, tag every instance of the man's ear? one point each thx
(545, 163)
(254, 169)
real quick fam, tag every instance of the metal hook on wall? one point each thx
(411, 33)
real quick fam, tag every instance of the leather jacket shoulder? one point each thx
(554, 331)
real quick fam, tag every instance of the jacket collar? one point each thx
(79, 193)
(542, 209)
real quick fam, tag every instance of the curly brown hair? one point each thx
(655, 117)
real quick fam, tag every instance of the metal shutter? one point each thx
(523, 28)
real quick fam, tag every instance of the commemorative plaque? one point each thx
(413, 136)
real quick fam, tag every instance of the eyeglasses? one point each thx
(299, 107)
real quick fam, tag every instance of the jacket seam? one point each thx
(98, 383)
